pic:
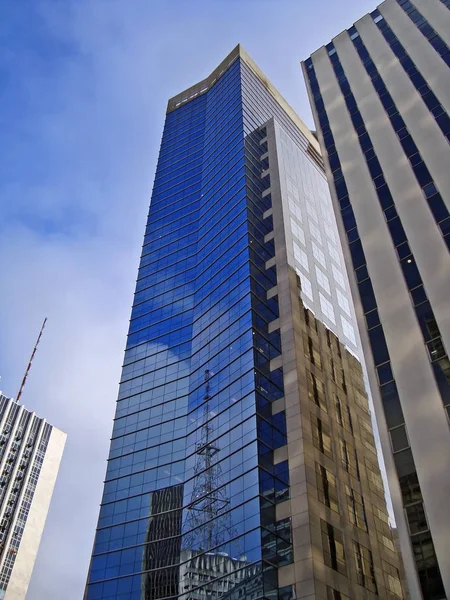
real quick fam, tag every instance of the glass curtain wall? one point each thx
(188, 509)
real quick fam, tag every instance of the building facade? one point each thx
(30, 454)
(242, 460)
(381, 101)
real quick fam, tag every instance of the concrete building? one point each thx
(241, 380)
(30, 454)
(380, 95)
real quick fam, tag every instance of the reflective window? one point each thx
(321, 436)
(295, 210)
(365, 569)
(333, 594)
(334, 253)
(297, 231)
(322, 279)
(314, 231)
(343, 302)
(349, 331)
(333, 547)
(349, 458)
(305, 285)
(316, 389)
(318, 255)
(392, 579)
(327, 308)
(300, 257)
(356, 508)
(338, 276)
(326, 487)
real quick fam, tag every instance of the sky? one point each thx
(83, 91)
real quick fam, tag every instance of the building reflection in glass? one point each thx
(161, 553)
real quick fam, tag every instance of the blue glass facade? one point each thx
(188, 509)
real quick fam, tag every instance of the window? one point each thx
(333, 548)
(399, 438)
(321, 436)
(392, 579)
(349, 458)
(312, 212)
(333, 594)
(343, 302)
(427, 564)
(319, 255)
(384, 533)
(356, 508)
(384, 373)
(348, 330)
(333, 369)
(285, 593)
(315, 232)
(343, 414)
(316, 391)
(322, 279)
(310, 320)
(292, 187)
(326, 487)
(362, 401)
(300, 257)
(338, 276)
(334, 253)
(429, 190)
(366, 432)
(327, 308)
(283, 532)
(365, 570)
(295, 210)
(314, 356)
(297, 232)
(276, 543)
(329, 230)
(327, 333)
(374, 477)
(341, 381)
(380, 514)
(305, 285)
(417, 520)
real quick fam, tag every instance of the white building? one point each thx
(30, 454)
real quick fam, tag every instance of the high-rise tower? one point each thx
(30, 454)
(381, 100)
(242, 461)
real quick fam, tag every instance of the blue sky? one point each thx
(83, 89)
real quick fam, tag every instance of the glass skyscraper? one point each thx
(242, 460)
(381, 100)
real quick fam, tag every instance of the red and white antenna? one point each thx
(30, 361)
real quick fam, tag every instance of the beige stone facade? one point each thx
(343, 545)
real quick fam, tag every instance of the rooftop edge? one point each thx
(203, 86)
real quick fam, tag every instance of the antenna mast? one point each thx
(30, 361)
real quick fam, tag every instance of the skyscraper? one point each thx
(381, 102)
(30, 453)
(242, 461)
